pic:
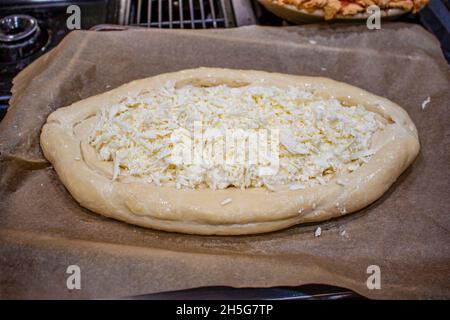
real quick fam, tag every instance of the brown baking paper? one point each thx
(406, 232)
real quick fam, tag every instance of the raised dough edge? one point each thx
(252, 210)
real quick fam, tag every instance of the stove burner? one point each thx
(20, 36)
(17, 27)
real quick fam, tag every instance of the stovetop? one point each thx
(9, 68)
(51, 20)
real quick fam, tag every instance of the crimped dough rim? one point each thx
(252, 210)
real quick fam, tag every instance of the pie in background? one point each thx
(339, 9)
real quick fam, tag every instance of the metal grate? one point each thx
(190, 14)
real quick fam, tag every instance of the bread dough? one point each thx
(201, 211)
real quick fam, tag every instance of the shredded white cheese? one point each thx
(318, 232)
(343, 232)
(319, 136)
(226, 201)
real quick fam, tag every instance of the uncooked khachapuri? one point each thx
(220, 151)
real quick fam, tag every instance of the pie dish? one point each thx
(304, 11)
(353, 146)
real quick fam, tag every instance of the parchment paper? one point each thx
(406, 233)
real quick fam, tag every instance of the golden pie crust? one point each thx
(343, 8)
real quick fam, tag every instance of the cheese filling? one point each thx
(318, 137)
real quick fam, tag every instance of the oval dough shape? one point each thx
(64, 141)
